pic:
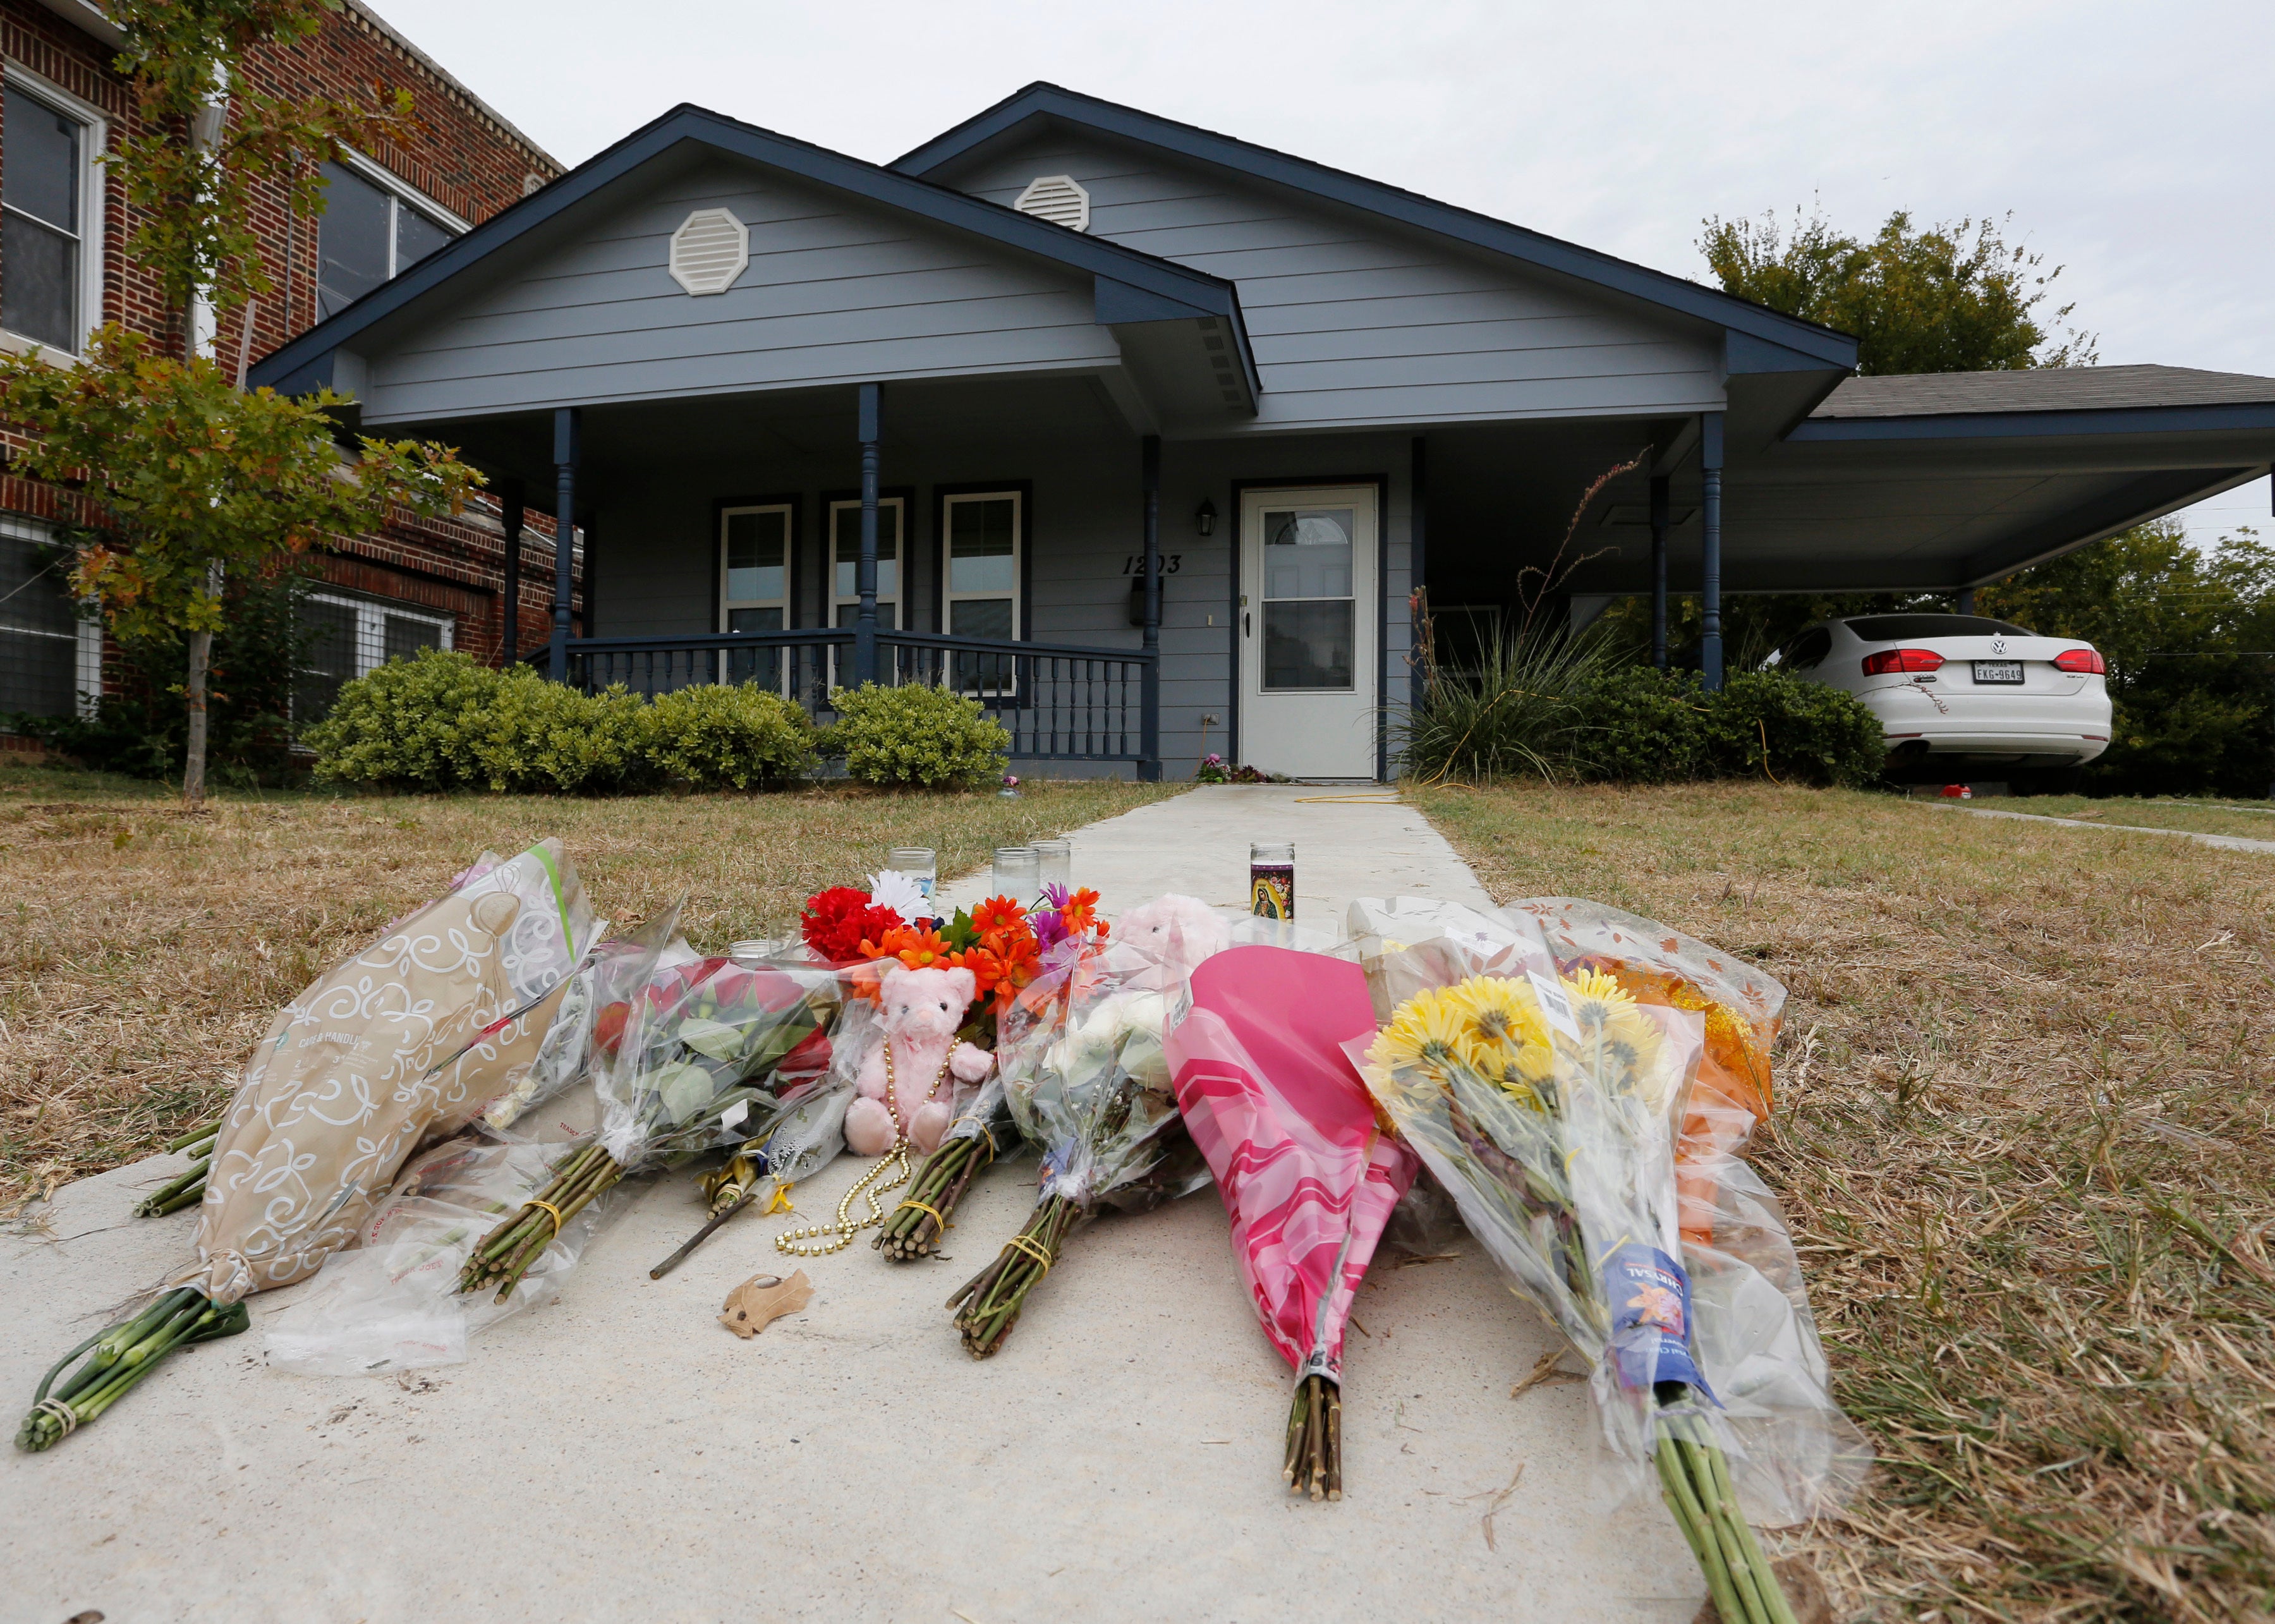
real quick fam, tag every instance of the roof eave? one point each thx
(2231, 417)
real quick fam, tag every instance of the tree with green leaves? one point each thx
(192, 477)
(211, 138)
(1951, 297)
(188, 477)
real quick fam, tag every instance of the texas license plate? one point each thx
(1998, 671)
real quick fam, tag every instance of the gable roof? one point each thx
(1131, 285)
(1045, 101)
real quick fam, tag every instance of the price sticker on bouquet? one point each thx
(1554, 1005)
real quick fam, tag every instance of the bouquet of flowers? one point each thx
(1079, 1051)
(1005, 948)
(1797, 1455)
(398, 1046)
(1546, 1104)
(1306, 1174)
(711, 1053)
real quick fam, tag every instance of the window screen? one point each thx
(39, 628)
(40, 187)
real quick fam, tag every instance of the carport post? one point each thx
(1659, 504)
(864, 620)
(1709, 513)
(566, 433)
(1965, 601)
(1149, 681)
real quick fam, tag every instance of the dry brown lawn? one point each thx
(143, 950)
(2023, 1135)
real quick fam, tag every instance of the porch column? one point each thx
(1659, 512)
(567, 432)
(514, 498)
(1709, 513)
(1149, 704)
(1417, 568)
(865, 620)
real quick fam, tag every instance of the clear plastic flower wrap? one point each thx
(401, 1045)
(1797, 1455)
(710, 1054)
(1087, 1085)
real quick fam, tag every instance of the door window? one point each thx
(42, 188)
(1309, 614)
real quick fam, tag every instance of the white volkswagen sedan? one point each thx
(1959, 693)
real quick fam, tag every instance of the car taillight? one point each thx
(2081, 662)
(1894, 662)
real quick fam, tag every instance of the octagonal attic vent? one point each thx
(709, 251)
(1059, 199)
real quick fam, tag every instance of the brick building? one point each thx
(63, 270)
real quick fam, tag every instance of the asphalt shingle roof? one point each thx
(2055, 388)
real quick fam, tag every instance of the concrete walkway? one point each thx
(2229, 843)
(618, 1456)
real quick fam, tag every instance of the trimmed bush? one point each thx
(744, 737)
(1771, 723)
(442, 721)
(540, 737)
(1641, 726)
(916, 734)
(409, 725)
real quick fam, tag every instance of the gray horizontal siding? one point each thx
(833, 292)
(1353, 323)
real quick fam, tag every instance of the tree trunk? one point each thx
(193, 767)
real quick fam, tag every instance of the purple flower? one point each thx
(1050, 929)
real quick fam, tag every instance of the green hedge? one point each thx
(915, 735)
(1638, 725)
(442, 721)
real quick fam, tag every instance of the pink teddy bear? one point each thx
(920, 1012)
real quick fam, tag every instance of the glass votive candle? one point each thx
(1057, 857)
(1018, 872)
(920, 864)
(1271, 880)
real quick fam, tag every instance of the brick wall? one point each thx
(462, 157)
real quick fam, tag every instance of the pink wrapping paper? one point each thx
(1307, 1174)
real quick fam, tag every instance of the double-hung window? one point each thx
(845, 548)
(754, 548)
(348, 637)
(983, 549)
(371, 232)
(50, 655)
(50, 214)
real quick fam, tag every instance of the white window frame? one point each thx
(728, 603)
(371, 626)
(94, 142)
(402, 194)
(898, 596)
(949, 596)
(87, 647)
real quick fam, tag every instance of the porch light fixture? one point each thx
(1205, 518)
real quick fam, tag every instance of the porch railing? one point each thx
(1058, 702)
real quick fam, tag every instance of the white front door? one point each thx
(1308, 626)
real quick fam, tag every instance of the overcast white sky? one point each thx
(2134, 143)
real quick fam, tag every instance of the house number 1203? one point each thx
(1134, 563)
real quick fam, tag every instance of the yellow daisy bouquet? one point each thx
(1547, 1105)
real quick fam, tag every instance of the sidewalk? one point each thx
(620, 1455)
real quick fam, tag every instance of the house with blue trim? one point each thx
(1160, 442)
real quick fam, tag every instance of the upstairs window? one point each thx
(48, 195)
(368, 235)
